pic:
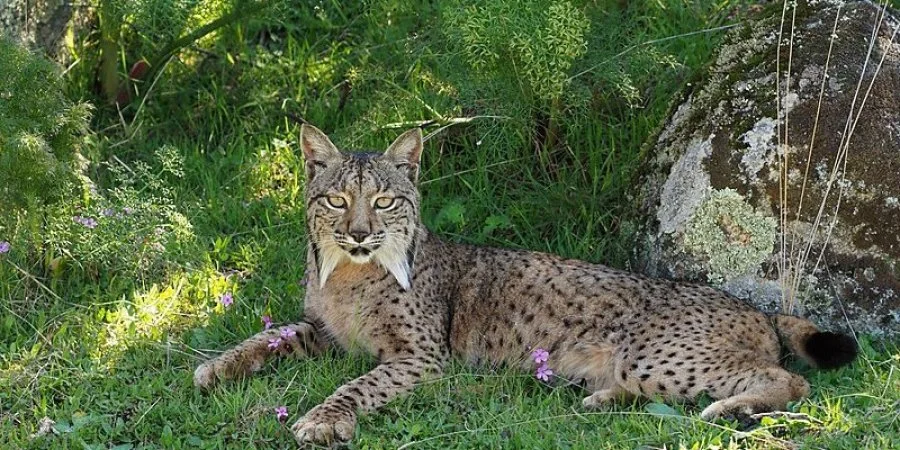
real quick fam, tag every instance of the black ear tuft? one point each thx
(831, 350)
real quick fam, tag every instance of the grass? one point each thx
(108, 355)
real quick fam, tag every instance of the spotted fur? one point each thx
(382, 284)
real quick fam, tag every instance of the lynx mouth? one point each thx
(359, 251)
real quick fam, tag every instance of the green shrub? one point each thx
(536, 43)
(132, 229)
(41, 133)
(520, 57)
(50, 211)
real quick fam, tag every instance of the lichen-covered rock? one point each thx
(718, 191)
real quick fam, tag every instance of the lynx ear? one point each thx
(318, 151)
(406, 151)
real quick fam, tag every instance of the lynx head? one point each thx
(362, 207)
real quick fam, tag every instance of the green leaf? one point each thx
(167, 438)
(62, 426)
(453, 213)
(661, 409)
(494, 222)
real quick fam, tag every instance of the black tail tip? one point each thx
(831, 350)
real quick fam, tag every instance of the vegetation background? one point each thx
(157, 173)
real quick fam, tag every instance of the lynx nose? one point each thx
(359, 236)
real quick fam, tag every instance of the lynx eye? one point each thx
(384, 202)
(336, 202)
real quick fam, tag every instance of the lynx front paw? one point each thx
(324, 425)
(205, 375)
(599, 399)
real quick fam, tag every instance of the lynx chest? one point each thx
(346, 305)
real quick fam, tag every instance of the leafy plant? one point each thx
(132, 228)
(531, 46)
(41, 132)
(138, 37)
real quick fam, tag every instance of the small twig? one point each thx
(296, 118)
(651, 42)
(22, 319)
(423, 102)
(442, 122)
(471, 170)
(133, 130)
(36, 281)
(122, 163)
(70, 67)
(146, 411)
(414, 124)
(239, 13)
(202, 352)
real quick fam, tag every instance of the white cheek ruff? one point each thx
(331, 257)
(392, 255)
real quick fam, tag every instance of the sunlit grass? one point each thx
(186, 301)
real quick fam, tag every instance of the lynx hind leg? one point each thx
(596, 363)
(250, 355)
(758, 390)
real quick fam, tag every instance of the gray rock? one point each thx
(37, 23)
(712, 193)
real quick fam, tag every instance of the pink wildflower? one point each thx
(4, 247)
(281, 413)
(226, 299)
(267, 322)
(274, 343)
(86, 221)
(544, 372)
(287, 333)
(540, 356)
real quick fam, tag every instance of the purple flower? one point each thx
(108, 212)
(287, 333)
(128, 210)
(86, 221)
(274, 343)
(4, 247)
(540, 356)
(281, 413)
(544, 373)
(226, 299)
(267, 322)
